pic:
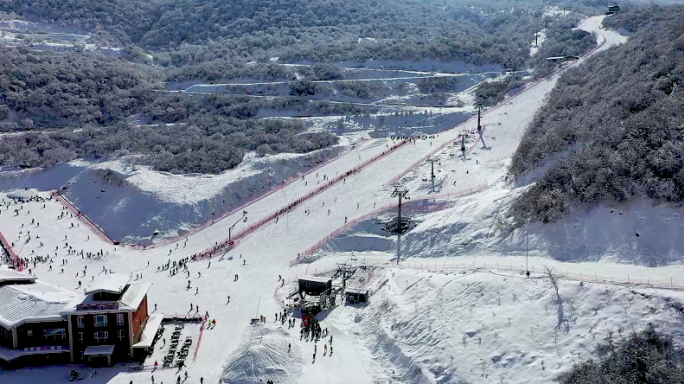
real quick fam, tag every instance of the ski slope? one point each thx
(265, 254)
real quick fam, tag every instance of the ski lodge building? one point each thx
(314, 285)
(44, 324)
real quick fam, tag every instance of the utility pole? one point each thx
(432, 160)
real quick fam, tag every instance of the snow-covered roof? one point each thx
(20, 303)
(114, 284)
(99, 350)
(130, 300)
(356, 291)
(11, 354)
(134, 295)
(149, 331)
(318, 279)
(11, 276)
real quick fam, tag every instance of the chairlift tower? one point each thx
(479, 126)
(432, 160)
(463, 147)
(401, 193)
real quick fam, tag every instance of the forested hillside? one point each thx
(74, 89)
(221, 32)
(216, 40)
(644, 357)
(612, 129)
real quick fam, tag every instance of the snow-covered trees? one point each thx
(612, 128)
(644, 357)
(561, 40)
(492, 92)
(207, 144)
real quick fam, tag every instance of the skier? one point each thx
(244, 261)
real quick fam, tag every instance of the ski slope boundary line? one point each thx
(199, 339)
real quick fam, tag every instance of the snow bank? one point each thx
(24, 194)
(640, 233)
(480, 327)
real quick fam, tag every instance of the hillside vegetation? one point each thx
(640, 358)
(612, 128)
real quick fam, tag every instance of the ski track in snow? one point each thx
(398, 321)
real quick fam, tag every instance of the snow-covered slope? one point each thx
(415, 323)
(483, 327)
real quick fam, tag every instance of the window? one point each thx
(29, 333)
(80, 322)
(120, 320)
(122, 334)
(80, 336)
(100, 321)
(101, 336)
(54, 333)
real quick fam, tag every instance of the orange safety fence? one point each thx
(16, 262)
(96, 228)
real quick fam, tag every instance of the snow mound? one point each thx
(263, 355)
